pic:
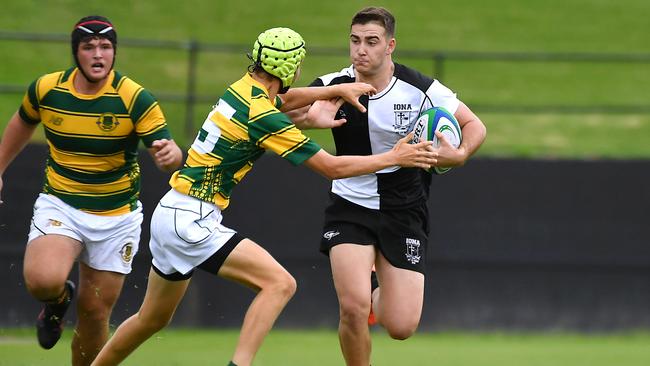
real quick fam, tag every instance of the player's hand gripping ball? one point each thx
(437, 119)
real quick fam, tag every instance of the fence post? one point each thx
(190, 97)
(438, 66)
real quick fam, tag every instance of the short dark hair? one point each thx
(378, 15)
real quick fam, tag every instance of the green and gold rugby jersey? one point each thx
(242, 125)
(93, 139)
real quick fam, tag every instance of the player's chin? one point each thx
(97, 76)
(361, 66)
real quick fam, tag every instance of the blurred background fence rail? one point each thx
(439, 62)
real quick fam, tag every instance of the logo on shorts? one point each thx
(330, 234)
(107, 122)
(413, 250)
(127, 252)
(55, 222)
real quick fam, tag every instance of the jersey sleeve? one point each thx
(278, 102)
(148, 117)
(29, 109)
(441, 96)
(317, 82)
(276, 133)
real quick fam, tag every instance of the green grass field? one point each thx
(560, 26)
(320, 348)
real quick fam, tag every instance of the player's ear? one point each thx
(391, 46)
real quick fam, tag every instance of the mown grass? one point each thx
(320, 348)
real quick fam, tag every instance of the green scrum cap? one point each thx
(279, 51)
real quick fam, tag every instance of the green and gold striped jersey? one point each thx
(242, 125)
(93, 139)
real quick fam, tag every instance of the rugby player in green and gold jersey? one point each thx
(186, 229)
(88, 211)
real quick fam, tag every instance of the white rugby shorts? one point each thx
(109, 242)
(185, 231)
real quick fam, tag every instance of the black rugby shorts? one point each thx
(401, 235)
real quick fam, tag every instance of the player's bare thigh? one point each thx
(98, 290)
(47, 264)
(351, 267)
(161, 300)
(252, 266)
(401, 298)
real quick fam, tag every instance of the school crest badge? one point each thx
(413, 250)
(107, 122)
(404, 114)
(127, 252)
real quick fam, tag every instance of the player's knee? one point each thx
(94, 304)
(42, 286)
(400, 331)
(155, 324)
(285, 285)
(279, 284)
(354, 311)
(93, 312)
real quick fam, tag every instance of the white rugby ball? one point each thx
(437, 119)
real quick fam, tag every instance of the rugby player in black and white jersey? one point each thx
(380, 221)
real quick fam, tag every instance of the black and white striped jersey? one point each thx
(391, 113)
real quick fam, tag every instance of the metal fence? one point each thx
(438, 59)
(535, 246)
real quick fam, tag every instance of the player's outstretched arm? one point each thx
(420, 155)
(350, 92)
(16, 135)
(166, 155)
(321, 114)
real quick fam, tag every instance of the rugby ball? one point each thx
(437, 119)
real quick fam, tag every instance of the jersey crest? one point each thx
(404, 114)
(107, 122)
